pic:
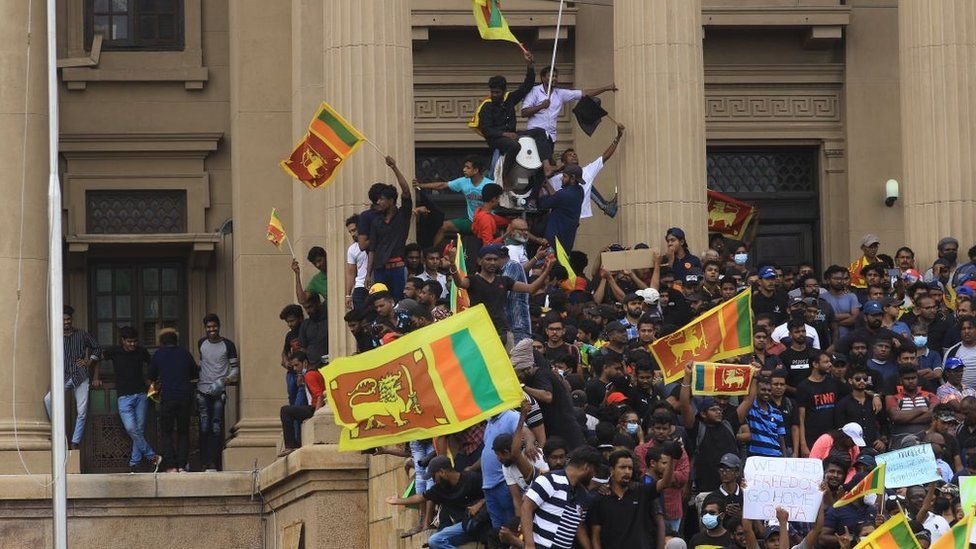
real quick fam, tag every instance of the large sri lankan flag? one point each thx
(491, 23)
(728, 216)
(722, 332)
(895, 533)
(317, 157)
(434, 381)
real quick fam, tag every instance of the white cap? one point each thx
(856, 433)
(650, 295)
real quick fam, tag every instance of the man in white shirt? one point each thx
(781, 332)
(590, 171)
(432, 260)
(542, 109)
(356, 261)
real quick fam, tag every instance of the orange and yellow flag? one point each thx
(722, 332)
(276, 231)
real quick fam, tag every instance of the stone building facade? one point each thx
(175, 114)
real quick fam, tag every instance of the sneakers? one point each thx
(611, 207)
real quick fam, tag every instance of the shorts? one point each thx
(461, 224)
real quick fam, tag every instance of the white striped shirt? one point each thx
(558, 513)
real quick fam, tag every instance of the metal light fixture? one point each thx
(891, 192)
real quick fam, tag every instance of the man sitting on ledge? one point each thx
(312, 382)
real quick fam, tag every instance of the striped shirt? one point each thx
(767, 426)
(79, 345)
(558, 513)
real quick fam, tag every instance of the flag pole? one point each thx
(555, 45)
(371, 144)
(290, 249)
(59, 489)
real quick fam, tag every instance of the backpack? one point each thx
(700, 436)
(475, 122)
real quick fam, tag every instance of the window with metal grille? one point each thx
(135, 212)
(742, 171)
(149, 25)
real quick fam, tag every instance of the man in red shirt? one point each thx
(484, 225)
(310, 381)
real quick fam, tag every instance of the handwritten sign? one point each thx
(909, 466)
(790, 483)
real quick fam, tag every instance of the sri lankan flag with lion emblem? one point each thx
(722, 332)
(434, 381)
(710, 378)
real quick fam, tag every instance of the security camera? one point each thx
(891, 192)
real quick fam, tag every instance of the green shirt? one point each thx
(319, 284)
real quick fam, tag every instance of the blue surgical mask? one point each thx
(710, 521)
(740, 259)
(920, 341)
(632, 428)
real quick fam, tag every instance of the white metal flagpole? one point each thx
(555, 45)
(56, 297)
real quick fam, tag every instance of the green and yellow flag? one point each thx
(431, 382)
(893, 534)
(459, 296)
(958, 536)
(722, 332)
(563, 258)
(491, 23)
(276, 231)
(873, 483)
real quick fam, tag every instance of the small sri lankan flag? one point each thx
(710, 378)
(895, 533)
(434, 381)
(958, 536)
(491, 23)
(459, 299)
(276, 231)
(873, 483)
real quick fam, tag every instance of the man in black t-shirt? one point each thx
(817, 397)
(130, 361)
(769, 297)
(710, 434)
(553, 395)
(388, 233)
(490, 288)
(796, 358)
(625, 517)
(458, 493)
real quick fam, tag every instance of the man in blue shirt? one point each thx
(564, 207)
(766, 424)
(498, 499)
(470, 184)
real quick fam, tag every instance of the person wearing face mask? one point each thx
(948, 249)
(713, 533)
(629, 426)
(929, 362)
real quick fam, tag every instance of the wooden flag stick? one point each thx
(521, 47)
(290, 249)
(383, 154)
(555, 46)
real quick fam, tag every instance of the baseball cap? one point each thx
(706, 403)
(378, 287)
(693, 276)
(493, 249)
(695, 297)
(866, 459)
(839, 358)
(616, 397)
(810, 302)
(964, 290)
(953, 363)
(767, 272)
(911, 276)
(946, 416)
(869, 240)
(796, 301)
(615, 326)
(856, 433)
(873, 308)
(650, 295)
(632, 296)
(438, 464)
(407, 305)
(576, 171)
(731, 461)
(891, 302)
(771, 531)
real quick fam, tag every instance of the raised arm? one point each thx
(593, 92)
(539, 282)
(401, 181)
(684, 399)
(525, 87)
(613, 144)
(743, 409)
(432, 186)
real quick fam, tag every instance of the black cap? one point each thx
(575, 171)
(632, 296)
(437, 464)
(615, 326)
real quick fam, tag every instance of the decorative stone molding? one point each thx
(763, 107)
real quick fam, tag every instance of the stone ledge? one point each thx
(125, 486)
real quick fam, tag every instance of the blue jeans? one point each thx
(296, 397)
(81, 405)
(395, 279)
(501, 508)
(132, 410)
(419, 449)
(449, 537)
(211, 410)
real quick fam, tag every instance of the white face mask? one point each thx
(740, 259)
(870, 500)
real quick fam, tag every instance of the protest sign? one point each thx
(909, 466)
(967, 491)
(790, 483)
(626, 259)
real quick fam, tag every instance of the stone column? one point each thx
(659, 69)
(260, 136)
(366, 73)
(24, 376)
(937, 48)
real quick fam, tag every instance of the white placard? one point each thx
(909, 466)
(790, 483)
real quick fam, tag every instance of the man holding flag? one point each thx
(496, 117)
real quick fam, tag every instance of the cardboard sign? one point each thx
(909, 466)
(627, 259)
(790, 483)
